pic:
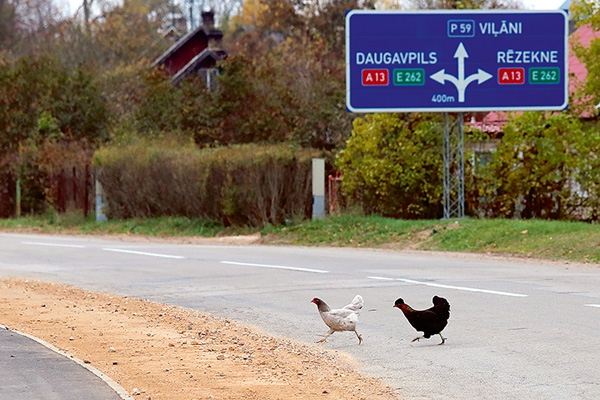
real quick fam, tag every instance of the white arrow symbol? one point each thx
(461, 83)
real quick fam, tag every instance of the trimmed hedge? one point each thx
(249, 185)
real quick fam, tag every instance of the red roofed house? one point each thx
(577, 70)
(196, 52)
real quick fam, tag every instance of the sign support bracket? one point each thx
(454, 166)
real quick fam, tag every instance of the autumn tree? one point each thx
(7, 24)
(287, 96)
(587, 12)
(465, 4)
(33, 86)
(283, 81)
(50, 117)
(28, 26)
(541, 169)
(392, 165)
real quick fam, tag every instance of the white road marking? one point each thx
(466, 289)
(78, 246)
(593, 305)
(143, 253)
(317, 271)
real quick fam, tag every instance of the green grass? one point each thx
(573, 241)
(75, 223)
(349, 230)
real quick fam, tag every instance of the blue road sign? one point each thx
(456, 61)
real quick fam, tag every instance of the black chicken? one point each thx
(431, 321)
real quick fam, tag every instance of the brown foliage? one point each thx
(241, 185)
(52, 173)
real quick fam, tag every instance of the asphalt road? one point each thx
(518, 329)
(29, 370)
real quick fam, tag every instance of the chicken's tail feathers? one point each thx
(358, 300)
(357, 304)
(441, 306)
(439, 301)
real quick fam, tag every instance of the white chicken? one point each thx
(341, 319)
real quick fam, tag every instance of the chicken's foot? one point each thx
(325, 338)
(417, 339)
(443, 339)
(359, 336)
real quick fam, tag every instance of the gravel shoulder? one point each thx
(158, 351)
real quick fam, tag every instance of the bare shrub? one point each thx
(241, 185)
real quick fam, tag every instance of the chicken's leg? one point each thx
(325, 338)
(417, 339)
(359, 336)
(443, 338)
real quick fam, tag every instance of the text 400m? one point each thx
(442, 98)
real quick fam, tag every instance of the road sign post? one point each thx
(456, 61)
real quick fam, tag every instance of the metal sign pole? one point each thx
(454, 167)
